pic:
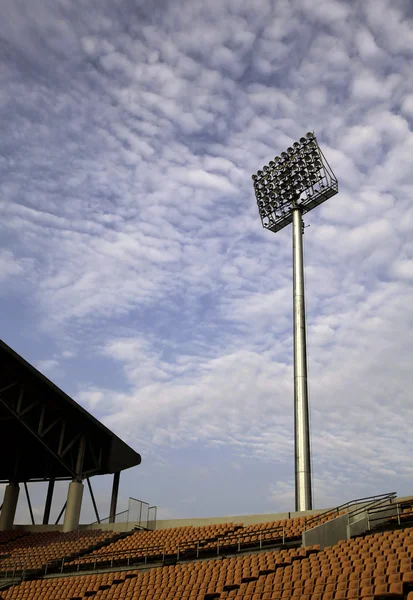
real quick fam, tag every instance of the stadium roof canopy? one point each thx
(44, 434)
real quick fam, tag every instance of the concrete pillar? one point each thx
(11, 496)
(73, 506)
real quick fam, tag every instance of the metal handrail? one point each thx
(312, 521)
(276, 529)
(76, 561)
(131, 553)
(223, 540)
(106, 520)
(374, 504)
(405, 503)
(399, 506)
(102, 521)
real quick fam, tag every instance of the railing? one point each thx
(184, 549)
(368, 501)
(154, 514)
(403, 514)
(121, 517)
(138, 513)
(377, 503)
(144, 553)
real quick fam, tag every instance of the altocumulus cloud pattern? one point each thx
(134, 270)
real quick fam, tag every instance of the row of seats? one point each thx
(190, 541)
(9, 536)
(375, 566)
(290, 529)
(162, 542)
(36, 550)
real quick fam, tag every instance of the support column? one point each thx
(73, 506)
(11, 496)
(29, 503)
(114, 498)
(92, 496)
(303, 492)
(48, 504)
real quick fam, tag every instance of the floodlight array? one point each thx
(301, 176)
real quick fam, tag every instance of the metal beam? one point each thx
(62, 438)
(92, 454)
(81, 456)
(93, 500)
(16, 463)
(48, 503)
(42, 433)
(28, 502)
(7, 387)
(20, 400)
(114, 498)
(70, 444)
(40, 479)
(61, 513)
(28, 408)
(41, 420)
(39, 438)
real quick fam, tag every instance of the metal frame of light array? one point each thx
(301, 176)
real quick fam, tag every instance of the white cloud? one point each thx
(407, 106)
(367, 45)
(132, 246)
(9, 265)
(46, 366)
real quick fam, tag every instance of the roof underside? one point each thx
(45, 434)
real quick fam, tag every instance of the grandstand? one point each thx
(47, 436)
(362, 549)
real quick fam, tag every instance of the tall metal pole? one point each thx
(303, 494)
(295, 182)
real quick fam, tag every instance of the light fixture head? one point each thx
(301, 176)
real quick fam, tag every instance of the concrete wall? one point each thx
(119, 527)
(195, 522)
(358, 526)
(327, 534)
(383, 515)
(198, 522)
(38, 528)
(236, 519)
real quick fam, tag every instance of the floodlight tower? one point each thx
(289, 186)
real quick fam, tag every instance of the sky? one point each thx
(134, 269)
